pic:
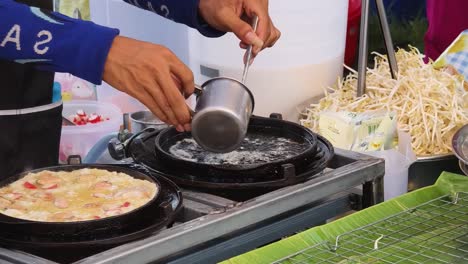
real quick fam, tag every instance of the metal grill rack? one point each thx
(433, 232)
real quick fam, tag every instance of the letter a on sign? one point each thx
(13, 36)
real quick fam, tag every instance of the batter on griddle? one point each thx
(255, 149)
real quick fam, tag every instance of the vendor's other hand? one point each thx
(153, 75)
(236, 16)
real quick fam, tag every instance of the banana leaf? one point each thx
(321, 238)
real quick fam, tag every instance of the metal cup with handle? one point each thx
(222, 113)
(223, 110)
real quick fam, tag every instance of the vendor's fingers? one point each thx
(188, 127)
(242, 29)
(274, 37)
(180, 87)
(157, 94)
(263, 31)
(177, 83)
(184, 77)
(175, 99)
(148, 101)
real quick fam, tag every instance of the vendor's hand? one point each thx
(153, 75)
(236, 16)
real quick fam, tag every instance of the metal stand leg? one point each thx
(387, 38)
(363, 44)
(363, 49)
(373, 192)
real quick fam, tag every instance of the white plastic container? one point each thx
(78, 140)
(308, 57)
(396, 172)
(397, 163)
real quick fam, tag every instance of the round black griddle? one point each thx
(303, 142)
(143, 151)
(80, 229)
(66, 249)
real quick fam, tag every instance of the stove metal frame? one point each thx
(221, 228)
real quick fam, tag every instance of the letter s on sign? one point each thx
(37, 49)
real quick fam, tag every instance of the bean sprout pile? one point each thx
(430, 104)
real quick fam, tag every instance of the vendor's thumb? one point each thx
(243, 31)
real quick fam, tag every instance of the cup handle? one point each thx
(198, 92)
(192, 112)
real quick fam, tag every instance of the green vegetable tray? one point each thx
(429, 225)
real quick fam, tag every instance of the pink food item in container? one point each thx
(94, 120)
(82, 118)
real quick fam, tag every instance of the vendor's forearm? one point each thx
(184, 12)
(53, 42)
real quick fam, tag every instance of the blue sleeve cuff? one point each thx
(200, 24)
(93, 43)
(53, 42)
(184, 12)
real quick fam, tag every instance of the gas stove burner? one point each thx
(261, 160)
(142, 151)
(66, 249)
(290, 177)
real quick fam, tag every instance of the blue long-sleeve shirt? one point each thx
(55, 42)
